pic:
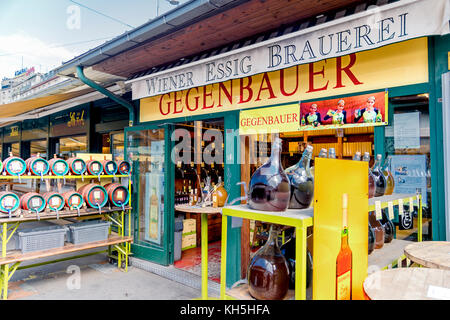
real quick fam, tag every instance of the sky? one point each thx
(44, 33)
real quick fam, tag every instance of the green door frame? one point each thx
(159, 254)
(232, 176)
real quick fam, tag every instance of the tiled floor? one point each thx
(191, 260)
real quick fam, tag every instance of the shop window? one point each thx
(407, 141)
(70, 145)
(15, 149)
(117, 145)
(39, 146)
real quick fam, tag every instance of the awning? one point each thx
(13, 112)
(381, 26)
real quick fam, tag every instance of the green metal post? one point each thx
(204, 236)
(223, 262)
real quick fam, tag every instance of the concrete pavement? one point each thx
(93, 278)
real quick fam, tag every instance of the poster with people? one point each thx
(362, 110)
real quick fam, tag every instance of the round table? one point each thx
(430, 254)
(408, 284)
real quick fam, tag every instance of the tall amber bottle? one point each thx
(378, 229)
(366, 158)
(390, 182)
(344, 259)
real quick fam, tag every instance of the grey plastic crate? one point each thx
(42, 238)
(88, 231)
(13, 243)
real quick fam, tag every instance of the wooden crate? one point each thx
(189, 225)
(188, 241)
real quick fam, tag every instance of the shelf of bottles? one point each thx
(194, 177)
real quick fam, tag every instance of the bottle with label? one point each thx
(153, 219)
(371, 242)
(288, 250)
(268, 272)
(302, 182)
(388, 227)
(269, 188)
(390, 182)
(380, 181)
(344, 259)
(331, 153)
(377, 229)
(366, 158)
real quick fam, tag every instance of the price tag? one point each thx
(78, 166)
(39, 167)
(391, 210)
(9, 202)
(411, 204)
(95, 167)
(192, 164)
(15, 166)
(75, 200)
(111, 167)
(378, 210)
(120, 194)
(35, 202)
(59, 166)
(179, 164)
(97, 195)
(400, 207)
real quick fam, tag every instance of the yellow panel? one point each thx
(332, 179)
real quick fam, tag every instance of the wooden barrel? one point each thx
(77, 166)
(73, 199)
(9, 202)
(58, 166)
(94, 167)
(32, 201)
(55, 201)
(124, 167)
(37, 166)
(94, 195)
(118, 194)
(14, 166)
(109, 167)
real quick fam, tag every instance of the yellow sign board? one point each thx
(399, 64)
(270, 120)
(333, 178)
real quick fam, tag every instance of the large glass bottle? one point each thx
(269, 188)
(380, 181)
(366, 158)
(331, 153)
(302, 182)
(268, 272)
(388, 227)
(371, 246)
(390, 182)
(377, 229)
(322, 154)
(288, 250)
(371, 242)
(344, 259)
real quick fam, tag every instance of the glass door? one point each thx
(152, 216)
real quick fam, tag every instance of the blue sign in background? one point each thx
(410, 173)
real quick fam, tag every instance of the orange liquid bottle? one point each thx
(344, 259)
